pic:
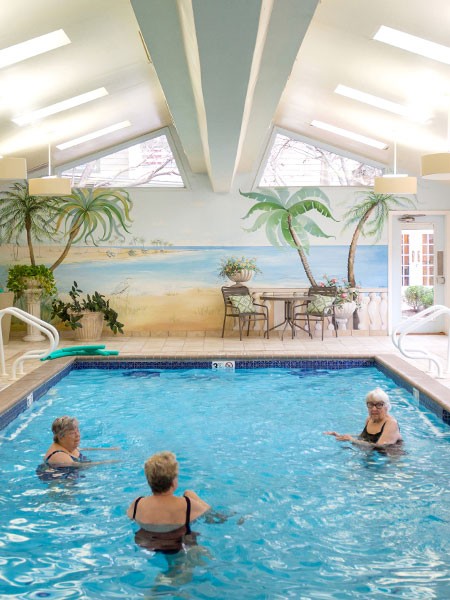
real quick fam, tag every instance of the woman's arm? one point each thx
(112, 448)
(390, 435)
(130, 509)
(198, 506)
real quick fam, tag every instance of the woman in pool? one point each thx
(64, 451)
(381, 429)
(163, 517)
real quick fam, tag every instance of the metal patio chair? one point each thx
(239, 304)
(317, 308)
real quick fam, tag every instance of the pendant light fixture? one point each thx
(49, 185)
(395, 183)
(437, 166)
(13, 168)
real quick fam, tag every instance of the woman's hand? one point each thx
(342, 437)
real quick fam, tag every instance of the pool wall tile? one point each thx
(388, 365)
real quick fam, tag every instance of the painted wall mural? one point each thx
(159, 285)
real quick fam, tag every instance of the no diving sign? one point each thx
(222, 364)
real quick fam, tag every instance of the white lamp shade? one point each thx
(49, 186)
(400, 184)
(436, 166)
(13, 168)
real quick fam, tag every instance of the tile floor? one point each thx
(216, 347)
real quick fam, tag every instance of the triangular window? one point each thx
(147, 164)
(296, 163)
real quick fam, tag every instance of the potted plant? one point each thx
(33, 282)
(86, 315)
(346, 299)
(238, 269)
(36, 277)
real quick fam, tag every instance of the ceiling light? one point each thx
(393, 107)
(50, 185)
(60, 106)
(33, 47)
(350, 134)
(395, 183)
(93, 135)
(13, 168)
(414, 44)
(437, 166)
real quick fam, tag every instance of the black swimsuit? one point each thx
(371, 437)
(79, 458)
(168, 542)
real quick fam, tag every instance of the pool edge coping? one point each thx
(19, 395)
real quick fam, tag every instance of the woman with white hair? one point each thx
(380, 429)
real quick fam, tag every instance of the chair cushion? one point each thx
(243, 303)
(319, 304)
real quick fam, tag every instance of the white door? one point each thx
(417, 259)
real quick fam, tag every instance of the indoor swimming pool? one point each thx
(300, 515)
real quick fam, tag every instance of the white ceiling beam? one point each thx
(289, 21)
(161, 26)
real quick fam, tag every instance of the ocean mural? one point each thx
(178, 289)
(190, 267)
(95, 237)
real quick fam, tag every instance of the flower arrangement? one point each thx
(232, 266)
(344, 291)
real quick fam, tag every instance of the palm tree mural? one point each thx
(82, 214)
(370, 216)
(20, 212)
(88, 210)
(285, 220)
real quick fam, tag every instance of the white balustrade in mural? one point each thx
(370, 318)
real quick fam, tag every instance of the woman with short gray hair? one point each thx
(65, 451)
(380, 429)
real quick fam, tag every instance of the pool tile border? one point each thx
(430, 393)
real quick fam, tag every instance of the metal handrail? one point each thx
(415, 322)
(46, 328)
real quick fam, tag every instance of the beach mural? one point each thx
(163, 286)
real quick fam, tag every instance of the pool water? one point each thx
(307, 516)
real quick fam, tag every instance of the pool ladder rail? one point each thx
(413, 323)
(48, 330)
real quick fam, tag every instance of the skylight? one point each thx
(414, 44)
(93, 135)
(60, 106)
(147, 164)
(393, 107)
(33, 47)
(350, 135)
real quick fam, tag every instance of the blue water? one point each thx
(308, 517)
(190, 267)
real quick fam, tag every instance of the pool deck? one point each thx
(379, 347)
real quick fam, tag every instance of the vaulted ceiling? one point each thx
(222, 74)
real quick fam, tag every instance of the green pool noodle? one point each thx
(98, 350)
(76, 348)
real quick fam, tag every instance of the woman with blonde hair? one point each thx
(165, 519)
(380, 429)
